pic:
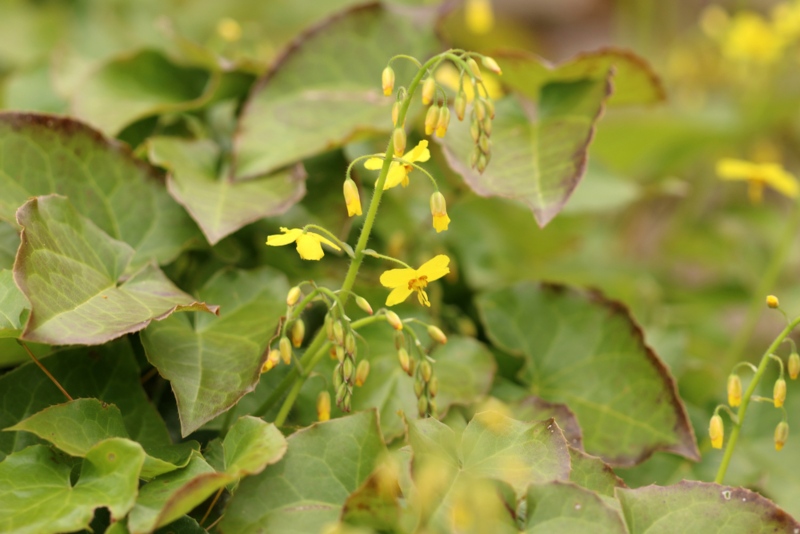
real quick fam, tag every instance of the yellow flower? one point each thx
(479, 16)
(403, 282)
(398, 173)
(439, 212)
(716, 431)
(352, 198)
(786, 20)
(758, 175)
(308, 244)
(750, 38)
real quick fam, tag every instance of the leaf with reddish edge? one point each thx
(532, 408)
(702, 507)
(538, 150)
(585, 351)
(593, 473)
(72, 274)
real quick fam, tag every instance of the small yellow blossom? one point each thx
(403, 282)
(750, 38)
(716, 431)
(229, 29)
(351, 198)
(734, 390)
(398, 173)
(758, 175)
(781, 435)
(439, 212)
(323, 406)
(308, 243)
(479, 16)
(786, 20)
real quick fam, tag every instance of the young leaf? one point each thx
(250, 445)
(563, 507)
(585, 351)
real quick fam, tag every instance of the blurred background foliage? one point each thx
(651, 224)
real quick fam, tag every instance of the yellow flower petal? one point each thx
(479, 16)
(735, 169)
(434, 268)
(419, 152)
(309, 248)
(397, 277)
(398, 295)
(288, 236)
(373, 164)
(440, 222)
(780, 180)
(328, 242)
(397, 175)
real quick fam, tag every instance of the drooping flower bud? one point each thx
(487, 127)
(772, 301)
(460, 105)
(399, 141)
(428, 90)
(439, 212)
(485, 144)
(433, 386)
(387, 80)
(436, 334)
(483, 161)
(329, 327)
(412, 367)
(431, 119)
(419, 387)
(339, 353)
(293, 296)
(350, 343)
(362, 372)
(362, 303)
(404, 359)
(298, 333)
(779, 392)
(337, 378)
(781, 435)
(475, 129)
(394, 320)
(399, 340)
(338, 332)
(323, 406)
(347, 370)
(489, 103)
(273, 358)
(422, 406)
(734, 390)
(426, 370)
(474, 69)
(716, 431)
(285, 347)
(492, 65)
(341, 393)
(351, 198)
(794, 365)
(444, 121)
(480, 108)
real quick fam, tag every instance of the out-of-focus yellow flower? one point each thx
(479, 16)
(448, 76)
(786, 20)
(751, 39)
(757, 176)
(716, 431)
(308, 243)
(403, 282)
(229, 30)
(398, 172)
(714, 21)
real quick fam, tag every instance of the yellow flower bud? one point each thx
(350, 343)
(474, 69)
(781, 435)
(482, 162)
(460, 105)
(332, 353)
(298, 333)
(339, 350)
(352, 198)
(341, 393)
(394, 320)
(480, 109)
(395, 112)
(489, 103)
(272, 361)
(404, 359)
(399, 340)
(323, 406)
(293, 296)
(362, 303)
(419, 387)
(484, 144)
(426, 370)
(399, 142)
(794, 365)
(734, 390)
(229, 30)
(436, 334)
(428, 90)
(492, 65)
(412, 367)
(475, 130)
(348, 369)
(716, 431)
(444, 121)
(487, 127)
(338, 332)
(329, 327)
(431, 119)
(422, 406)
(387, 80)
(779, 392)
(433, 386)
(772, 301)
(362, 372)
(439, 212)
(285, 347)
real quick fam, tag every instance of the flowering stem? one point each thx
(748, 394)
(370, 252)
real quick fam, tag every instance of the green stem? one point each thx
(765, 359)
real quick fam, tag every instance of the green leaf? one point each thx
(464, 368)
(43, 154)
(14, 307)
(213, 361)
(538, 151)
(326, 89)
(561, 507)
(9, 243)
(532, 408)
(635, 82)
(218, 205)
(585, 351)
(307, 489)
(71, 272)
(250, 445)
(137, 85)
(593, 473)
(36, 494)
(374, 505)
(701, 507)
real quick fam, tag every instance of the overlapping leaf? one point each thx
(586, 352)
(14, 307)
(9, 243)
(72, 274)
(41, 154)
(327, 88)
(218, 205)
(213, 361)
(564, 507)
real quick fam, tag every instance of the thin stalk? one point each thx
(44, 370)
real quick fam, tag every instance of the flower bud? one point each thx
(298, 333)
(432, 406)
(433, 386)
(399, 340)
(399, 141)
(339, 353)
(482, 162)
(491, 64)
(419, 387)
(444, 121)
(332, 353)
(404, 359)
(362, 372)
(337, 378)
(772, 301)
(412, 367)
(475, 130)
(474, 69)
(285, 347)
(394, 320)
(352, 198)
(428, 90)
(347, 370)
(422, 406)
(431, 119)
(439, 212)
(387, 80)
(346, 403)
(484, 144)
(460, 105)
(323, 406)
(489, 107)
(293, 296)
(341, 393)
(395, 112)
(794, 365)
(329, 327)
(734, 390)
(716, 431)
(781, 435)
(480, 109)
(338, 332)
(426, 370)
(779, 392)
(362, 303)
(272, 360)
(350, 343)
(487, 126)
(436, 334)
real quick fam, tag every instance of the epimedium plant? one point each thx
(168, 369)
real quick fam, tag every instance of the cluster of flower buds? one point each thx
(437, 118)
(482, 113)
(291, 334)
(346, 374)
